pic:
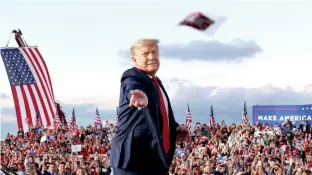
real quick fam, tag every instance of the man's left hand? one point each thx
(182, 132)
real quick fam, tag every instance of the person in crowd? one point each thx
(304, 127)
(31, 169)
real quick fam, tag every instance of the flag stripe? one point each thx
(17, 108)
(33, 100)
(39, 100)
(48, 98)
(43, 107)
(30, 105)
(45, 99)
(22, 107)
(27, 108)
(46, 71)
(41, 72)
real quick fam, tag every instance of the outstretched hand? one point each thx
(138, 99)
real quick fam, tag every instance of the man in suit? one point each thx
(147, 131)
(304, 127)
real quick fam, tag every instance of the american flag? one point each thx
(188, 119)
(61, 114)
(245, 120)
(212, 119)
(72, 123)
(38, 119)
(97, 120)
(30, 84)
(57, 121)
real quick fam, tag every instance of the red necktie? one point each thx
(165, 128)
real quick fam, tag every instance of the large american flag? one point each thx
(212, 119)
(31, 84)
(72, 124)
(245, 120)
(97, 120)
(189, 119)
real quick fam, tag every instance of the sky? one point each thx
(261, 54)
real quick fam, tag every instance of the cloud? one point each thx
(7, 119)
(212, 51)
(308, 89)
(228, 102)
(4, 96)
(6, 100)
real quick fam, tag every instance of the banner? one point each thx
(272, 114)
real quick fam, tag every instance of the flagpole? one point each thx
(19, 38)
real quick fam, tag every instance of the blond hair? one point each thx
(141, 42)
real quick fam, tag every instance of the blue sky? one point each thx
(80, 41)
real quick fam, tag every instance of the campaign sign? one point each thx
(272, 114)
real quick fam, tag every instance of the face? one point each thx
(79, 171)
(146, 59)
(31, 171)
(61, 167)
(52, 167)
(98, 169)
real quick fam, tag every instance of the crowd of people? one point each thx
(57, 151)
(220, 149)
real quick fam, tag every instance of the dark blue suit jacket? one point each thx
(137, 145)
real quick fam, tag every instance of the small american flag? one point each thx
(97, 120)
(57, 121)
(212, 119)
(72, 123)
(38, 119)
(189, 119)
(245, 115)
(30, 83)
(61, 114)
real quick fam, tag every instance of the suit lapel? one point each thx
(151, 85)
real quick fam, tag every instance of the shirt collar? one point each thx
(150, 76)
